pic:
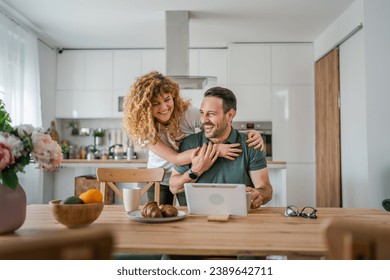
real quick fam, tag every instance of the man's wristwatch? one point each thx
(193, 175)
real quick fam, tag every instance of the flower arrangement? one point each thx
(22, 144)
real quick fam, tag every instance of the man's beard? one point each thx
(216, 131)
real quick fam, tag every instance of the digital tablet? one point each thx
(211, 199)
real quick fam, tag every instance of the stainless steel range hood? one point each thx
(177, 52)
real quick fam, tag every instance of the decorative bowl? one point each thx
(75, 215)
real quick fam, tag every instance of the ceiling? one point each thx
(141, 23)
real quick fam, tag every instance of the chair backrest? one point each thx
(150, 176)
(92, 243)
(354, 240)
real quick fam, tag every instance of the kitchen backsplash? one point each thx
(114, 134)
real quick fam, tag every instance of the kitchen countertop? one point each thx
(136, 163)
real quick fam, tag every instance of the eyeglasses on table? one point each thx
(307, 212)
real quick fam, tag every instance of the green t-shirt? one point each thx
(225, 170)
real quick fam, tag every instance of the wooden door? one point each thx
(327, 120)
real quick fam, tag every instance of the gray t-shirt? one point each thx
(188, 124)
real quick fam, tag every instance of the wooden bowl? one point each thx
(75, 215)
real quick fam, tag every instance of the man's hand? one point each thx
(262, 191)
(257, 199)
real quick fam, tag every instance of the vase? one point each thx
(98, 141)
(12, 208)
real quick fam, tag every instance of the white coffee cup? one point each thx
(131, 198)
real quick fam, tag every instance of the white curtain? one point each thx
(19, 72)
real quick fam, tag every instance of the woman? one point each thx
(156, 117)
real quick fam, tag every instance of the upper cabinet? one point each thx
(256, 68)
(206, 62)
(153, 60)
(71, 70)
(98, 70)
(250, 80)
(84, 70)
(84, 84)
(209, 62)
(292, 64)
(127, 66)
(249, 64)
(92, 83)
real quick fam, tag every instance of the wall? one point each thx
(342, 26)
(353, 115)
(47, 67)
(377, 46)
(364, 101)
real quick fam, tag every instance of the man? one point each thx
(217, 111)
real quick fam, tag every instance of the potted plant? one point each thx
(73, 124)
(65, 151)
(18, 146)
(98, 135)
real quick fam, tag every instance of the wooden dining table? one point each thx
(263, 232)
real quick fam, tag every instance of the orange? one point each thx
(91, 196)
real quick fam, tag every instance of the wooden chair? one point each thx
(90, 243)
(357, 240)
(110, 176)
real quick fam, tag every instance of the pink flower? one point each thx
(6, 158)
(18, 145)
(46, 152)
(13, 142)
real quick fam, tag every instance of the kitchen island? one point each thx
(64, 182)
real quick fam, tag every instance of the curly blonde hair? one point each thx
(138, 119)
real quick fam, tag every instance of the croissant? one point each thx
(151, 210)
(168, 210)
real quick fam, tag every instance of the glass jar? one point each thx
(83, 152)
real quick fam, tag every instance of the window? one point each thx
(19, 72)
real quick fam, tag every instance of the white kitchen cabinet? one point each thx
(206, 62)
(293, 64)
(250, 79)
(194, 62)
(253, 102)
(71, 70)
(127, 67)
(98, 70)
(301, 182)
(277, 178)
(117, 102)
(83, 104)
(213, 62)
(84, 84)
(293, 125)
(249, 64)
(84, 70)
(153, 60)
(275, 82)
